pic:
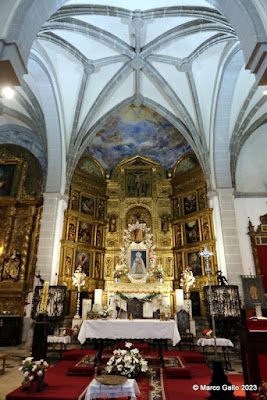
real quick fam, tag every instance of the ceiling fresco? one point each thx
(138, 130)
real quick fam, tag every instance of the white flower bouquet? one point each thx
(105, 312)
(33, 370)
(128, 362)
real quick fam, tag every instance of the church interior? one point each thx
(133, 187)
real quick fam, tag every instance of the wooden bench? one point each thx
(3, 357)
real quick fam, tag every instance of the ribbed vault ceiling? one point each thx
(177, 61)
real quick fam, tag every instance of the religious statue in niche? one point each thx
(165, 223)
(178, 234)
(75, 201)
(206, 231)
(99, 236)
(112, 223)
(190, 204)
(101, 209)
(138, 214)
(176, 208)
(72, 232)
(202, 200)
(11, 265)
(67, 266)
(138, 183)
(97, 267)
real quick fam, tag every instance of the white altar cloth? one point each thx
(97, 390)
(58, 339)
(219, 342)
(127, 329)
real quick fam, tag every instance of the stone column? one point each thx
(50, 236)
(227, 243)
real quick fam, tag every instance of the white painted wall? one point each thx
(246, 208)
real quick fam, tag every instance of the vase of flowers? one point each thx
(127, 362)
(120, 270)
(105, 312)
(33, 374)
(158, 273)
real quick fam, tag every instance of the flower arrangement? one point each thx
(105, 312)
(33, 370)
(158, 271)
(79, 277)
(120, 270)
(128, 362)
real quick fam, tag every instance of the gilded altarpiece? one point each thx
(139, 191)
(192, 226)
(83, 238)
(20, 215)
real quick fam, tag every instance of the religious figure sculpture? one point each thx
(221, 279)
(138, 266)
(11, 265)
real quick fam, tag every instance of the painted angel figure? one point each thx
(187, 280)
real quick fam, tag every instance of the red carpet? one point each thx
(60, 386)
(164, 383)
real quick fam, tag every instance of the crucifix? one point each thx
(207, 254)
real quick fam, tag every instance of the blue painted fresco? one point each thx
(138, 130)
(21, 136)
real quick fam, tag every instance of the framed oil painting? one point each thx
(82, 258)
(194, 262)
(85, 232)
(190, 204)
(87, 205)
(138, 262)
(7, 172)
(253, 291)
(192, 231)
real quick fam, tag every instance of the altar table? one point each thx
(97, 390)
(127, 329)
(62, 340)
(224, 343)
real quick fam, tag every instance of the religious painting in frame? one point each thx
(88, 205)
(190, 204)
(83, 258)
(192, 231)
(7, 174)
(85, 232)
(253, 291)
(138, 262)
(194, 262)
(138, 183)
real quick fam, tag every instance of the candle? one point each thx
(44, 297)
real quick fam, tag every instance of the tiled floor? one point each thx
(12, 377)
